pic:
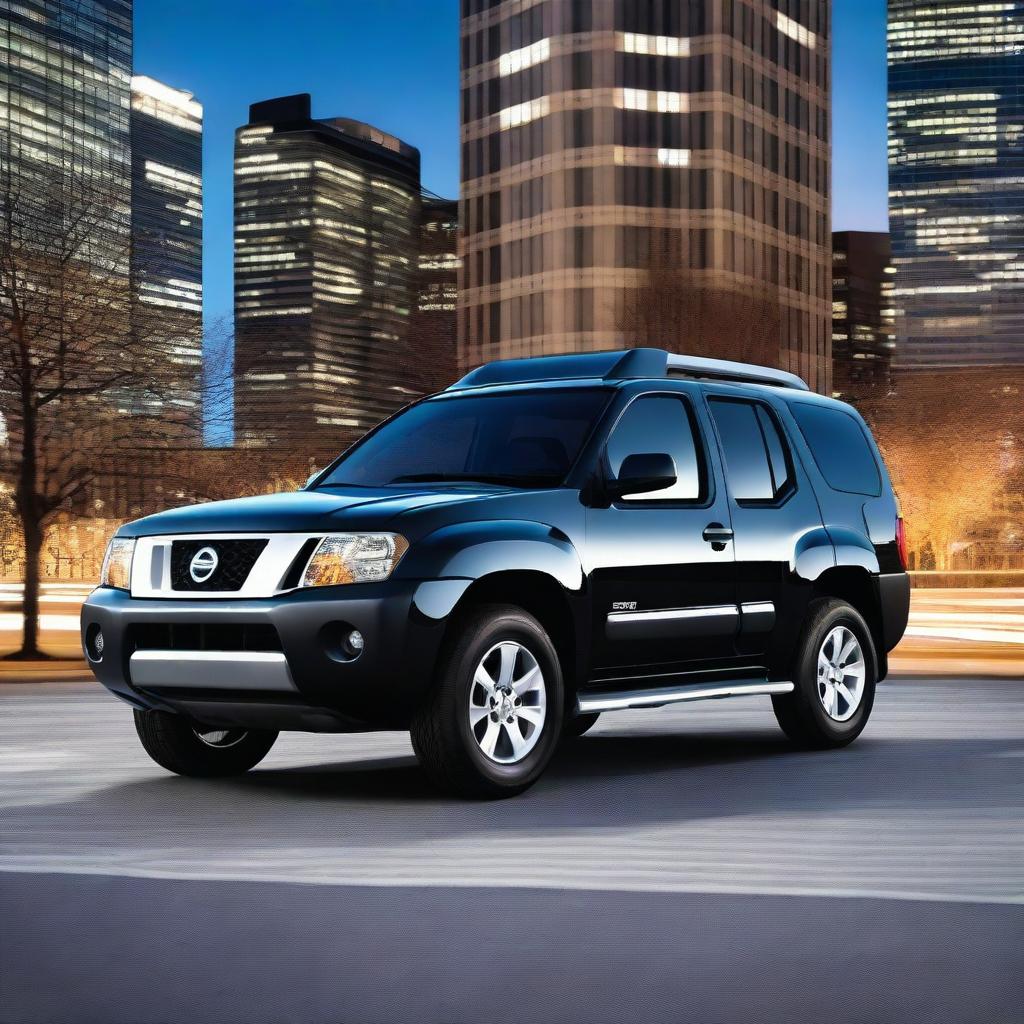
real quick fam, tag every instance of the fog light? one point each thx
(355, 641)
(94, 643)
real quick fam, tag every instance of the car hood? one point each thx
(302, 511)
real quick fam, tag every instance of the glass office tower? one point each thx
(65, 80)
(603, 140)
(326, 226)
(956, 182)
(167, 232)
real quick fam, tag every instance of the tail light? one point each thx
(901, 542)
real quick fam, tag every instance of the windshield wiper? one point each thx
(477, 478)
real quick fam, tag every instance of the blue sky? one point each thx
(395, 64)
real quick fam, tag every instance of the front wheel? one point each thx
(493, 719)
(835, 672)
(201, 751)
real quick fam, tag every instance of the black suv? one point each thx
(496, 565)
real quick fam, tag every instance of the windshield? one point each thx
(522, 439)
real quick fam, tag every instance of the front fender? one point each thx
(465, 552)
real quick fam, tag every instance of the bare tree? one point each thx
(86, 374)
(952, 442)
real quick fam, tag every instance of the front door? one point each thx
(661, 564)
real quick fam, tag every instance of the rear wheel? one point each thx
(190, 748)
(491, 723)
(835, 671)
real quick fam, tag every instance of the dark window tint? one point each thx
(660, 425)
(755, 454)
(840, 448)
(519, 439)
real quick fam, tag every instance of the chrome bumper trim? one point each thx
(212, 670)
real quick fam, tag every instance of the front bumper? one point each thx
(311, 683)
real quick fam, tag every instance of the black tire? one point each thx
(802, 714)
(575, 726)
(172, 741)
(442, 736)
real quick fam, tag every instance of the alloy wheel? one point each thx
(507, 703)
(841, 673)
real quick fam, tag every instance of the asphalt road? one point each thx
(683, 864)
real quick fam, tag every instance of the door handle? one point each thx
(717, 535)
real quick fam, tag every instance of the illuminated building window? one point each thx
(524, 113)
(648, 99)
(661, 46)
(793, 29)
(526, 57)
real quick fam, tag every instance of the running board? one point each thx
(623, 699)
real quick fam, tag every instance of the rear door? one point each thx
(663, 595)
(774, 515)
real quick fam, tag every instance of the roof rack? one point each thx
(631, 364)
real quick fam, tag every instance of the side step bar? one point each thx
(622, 699)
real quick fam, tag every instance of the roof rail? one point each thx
(628, 364)
(726, 369)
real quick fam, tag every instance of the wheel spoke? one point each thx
(476, 713)
(483, 679)
(489, 740)
(847, 695)
(531, 680)
(854, 669)
(509, 653)
(535, 716)
(848, 648)
(520, 744)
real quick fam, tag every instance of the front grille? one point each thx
(235, 559)
(203, 636)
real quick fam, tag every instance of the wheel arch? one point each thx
(856, 586)
(543, 597)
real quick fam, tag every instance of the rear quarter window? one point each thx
(840, 449)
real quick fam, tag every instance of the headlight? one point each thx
(117, 564)
(354, 558)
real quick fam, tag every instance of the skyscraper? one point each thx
(862, 330)
(65, 73)
(433, 335)
(606, 140)
(956, 182)
(326, 235)
(167, 232)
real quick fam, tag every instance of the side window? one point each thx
(756, 461)
(839, 447)
(660, 424)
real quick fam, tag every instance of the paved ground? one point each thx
(679, 864)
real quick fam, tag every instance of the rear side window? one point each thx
(840, 448)
(756, 461)
(657, 424)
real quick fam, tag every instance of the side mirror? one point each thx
(641, 474)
